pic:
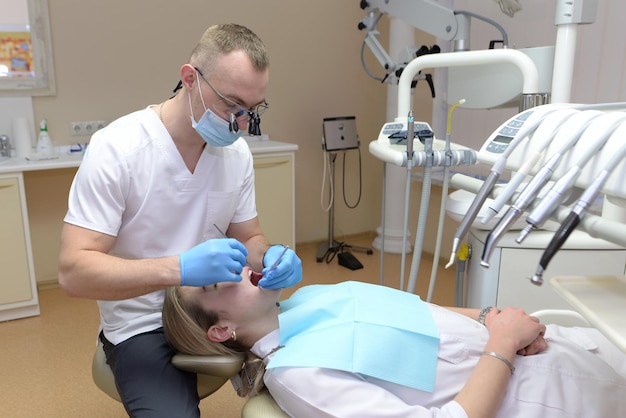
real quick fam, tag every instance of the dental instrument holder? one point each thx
(328, 250)
(428, 158)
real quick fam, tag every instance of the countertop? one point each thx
(600, 299)
(68, 159)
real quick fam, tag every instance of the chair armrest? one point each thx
(563, 317)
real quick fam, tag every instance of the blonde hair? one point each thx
(186, 324)
(221, 39)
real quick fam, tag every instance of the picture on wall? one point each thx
(16, 57)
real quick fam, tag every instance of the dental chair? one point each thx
(212, 371)
(563, 317)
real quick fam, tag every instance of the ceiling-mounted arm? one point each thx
(426, 15)
(368, 24)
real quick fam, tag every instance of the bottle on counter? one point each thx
(44, 143)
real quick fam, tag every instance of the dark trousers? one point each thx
(148, 383)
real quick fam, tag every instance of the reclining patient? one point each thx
(361, 350)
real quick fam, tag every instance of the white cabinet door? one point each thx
(18, 292)
(274, 186)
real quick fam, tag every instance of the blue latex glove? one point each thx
(287, 273)
(213, 261)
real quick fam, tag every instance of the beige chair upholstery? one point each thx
(102, 374)
(262, 406)
(213, 372)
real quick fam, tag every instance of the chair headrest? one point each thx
(224, 366)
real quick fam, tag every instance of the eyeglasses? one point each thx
(236, 112)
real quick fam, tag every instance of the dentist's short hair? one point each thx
(221, 39)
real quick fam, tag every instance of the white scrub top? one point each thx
(134, 184)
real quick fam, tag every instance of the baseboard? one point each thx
(48, 284)
(345, 238)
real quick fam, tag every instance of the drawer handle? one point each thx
(270, 164)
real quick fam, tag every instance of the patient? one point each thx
(361, 350)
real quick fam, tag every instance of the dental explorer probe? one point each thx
(557, 193)
(573, 219)
(225, 236)
(531, 190)
(255, 277)
(495, 172)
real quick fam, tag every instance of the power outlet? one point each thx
(86, 128)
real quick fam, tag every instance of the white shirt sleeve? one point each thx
(316, 392)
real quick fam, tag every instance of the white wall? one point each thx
(600, 65)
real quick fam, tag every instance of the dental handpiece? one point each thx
(410, 134)
(575, 216)
(557, 193)
(496, 170)
(549, 203)
(569, 225)
(521, 174)
(475, 207)
(514, 212)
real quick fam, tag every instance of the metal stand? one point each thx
(327, 250)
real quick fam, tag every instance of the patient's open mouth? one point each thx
(255, 277)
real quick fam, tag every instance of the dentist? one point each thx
(144, 206)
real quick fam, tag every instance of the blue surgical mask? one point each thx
(214, 130)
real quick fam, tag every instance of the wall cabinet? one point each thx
(18, 289)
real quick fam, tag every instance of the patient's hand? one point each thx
(525, 332)
(537, 346)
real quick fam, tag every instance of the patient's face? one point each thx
(238, 301)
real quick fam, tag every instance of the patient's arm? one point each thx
(469, 312)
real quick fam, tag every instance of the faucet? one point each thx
(5, 146)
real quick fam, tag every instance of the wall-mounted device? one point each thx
(340, 133)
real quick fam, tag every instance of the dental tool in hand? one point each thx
(254, 276)
(280, 256)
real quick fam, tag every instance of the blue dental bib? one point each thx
(362, 328)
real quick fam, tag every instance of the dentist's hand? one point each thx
(287, 273)
(213, 261)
